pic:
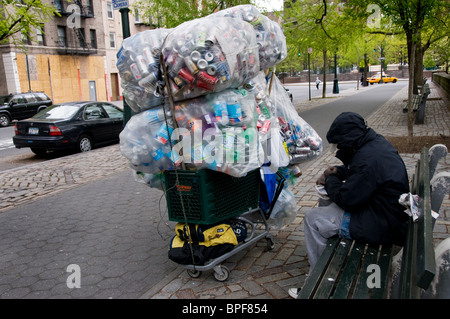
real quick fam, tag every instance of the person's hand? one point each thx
(330, 170)
(321, 180)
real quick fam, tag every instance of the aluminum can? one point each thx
(205, 81)
(185, 75)
(136, 72)
(149, 82)
(142, 64)
(202, 64)
(211, 70)
(191, 65)
(195, 56)
(148, 54)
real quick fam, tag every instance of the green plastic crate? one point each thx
(208, 196)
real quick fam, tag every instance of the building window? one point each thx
(90, 8)
(109, 9)
(81, 38)
(137, 17)
(62, 41)
(58, 5)
(112, 40)
(93, 38)
(40, 35)
(26, 38)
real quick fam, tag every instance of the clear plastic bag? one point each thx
(302, 141)
(269, 36)
(209, 55)
(138, 64)
(284, 211)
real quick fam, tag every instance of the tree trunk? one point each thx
(324, 86)
(411, 63)
(418, 64)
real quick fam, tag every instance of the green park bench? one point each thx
(419, 102)
(344, 268)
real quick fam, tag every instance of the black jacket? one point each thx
(369, 183)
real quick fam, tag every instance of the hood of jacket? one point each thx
(347, 131)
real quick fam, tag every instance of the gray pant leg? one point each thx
(320, 224)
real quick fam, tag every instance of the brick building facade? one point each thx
(74, 58)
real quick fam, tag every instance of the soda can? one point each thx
(205, 81)
(149, 81)
(283, 123)
(209, 56)
(136, 72)
(191, 65)
(265, 127)
(201, 38)
(142, 64)
(148, 54)
(202, 64)
(211, 70)
(302, 150)
(296, 170)
(179, 82)
(195, 56)
(219, 108)
(234, 112)
(185, 75)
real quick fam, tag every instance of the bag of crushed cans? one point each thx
(209, 55)
(302, 141)
(138, 65)
(269, 36)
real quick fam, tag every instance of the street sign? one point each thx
(119, 4)
(309, 50)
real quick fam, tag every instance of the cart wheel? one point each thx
(221, 273)
(194, 273)
(270, 243)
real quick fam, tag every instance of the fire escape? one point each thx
(74, 42)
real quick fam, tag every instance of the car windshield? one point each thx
(58, 112)
(5, 99)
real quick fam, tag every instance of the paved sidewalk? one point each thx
(122, 269)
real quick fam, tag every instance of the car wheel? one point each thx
(4, 120)
(84, 143)
(394, 81)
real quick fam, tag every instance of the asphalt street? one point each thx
(363, 103)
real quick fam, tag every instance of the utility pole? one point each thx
(127, 113)
(335, 82)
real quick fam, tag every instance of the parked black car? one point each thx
(77, 125)
(22, 106)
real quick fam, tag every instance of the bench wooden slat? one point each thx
(384, 261)
(329, 279)
(316, 274)
(370, 257)
(426, 262)
(348, 274)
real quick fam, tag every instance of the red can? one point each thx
(206, 81)
(186, 75)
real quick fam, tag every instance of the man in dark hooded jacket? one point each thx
(364, 191)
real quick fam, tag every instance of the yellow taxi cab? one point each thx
(386, 78)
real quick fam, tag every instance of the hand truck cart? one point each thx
(206, 197)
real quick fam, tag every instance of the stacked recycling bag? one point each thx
(223, 114)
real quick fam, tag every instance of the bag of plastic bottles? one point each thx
(138, 65)
(269, 36)
(209, 55)
(218, 131)
(302, 141)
